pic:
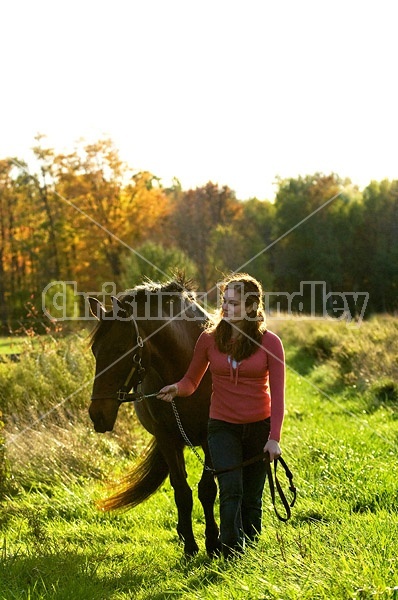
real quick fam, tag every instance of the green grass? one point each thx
(11, 345)
(339, 441)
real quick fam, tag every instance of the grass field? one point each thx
(340, 440)
(11, 345)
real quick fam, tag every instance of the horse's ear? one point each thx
(96, 308)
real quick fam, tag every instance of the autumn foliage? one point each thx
(87, 217)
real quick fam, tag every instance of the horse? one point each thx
(146, 341)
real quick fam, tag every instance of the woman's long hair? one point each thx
(253, 324)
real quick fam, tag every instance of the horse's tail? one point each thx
(146, 477)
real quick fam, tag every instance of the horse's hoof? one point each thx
(214, 550)
(191, 551)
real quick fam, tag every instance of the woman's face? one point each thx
(233, 306)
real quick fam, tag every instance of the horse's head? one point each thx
(151, 326)
(118, 355)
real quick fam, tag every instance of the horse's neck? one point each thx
(172, 351)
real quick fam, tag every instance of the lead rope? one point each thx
(186, 438)
(261, 456)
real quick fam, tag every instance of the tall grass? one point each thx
(44, 399)
(340, 440)
(347, 358)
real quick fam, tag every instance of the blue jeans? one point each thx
(241, 490)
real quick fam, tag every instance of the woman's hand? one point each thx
(273, 448)
(168, 392)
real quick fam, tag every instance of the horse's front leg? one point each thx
(184, 503)
(173, 452)
(207, 492)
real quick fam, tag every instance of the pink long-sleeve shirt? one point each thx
(241, 391)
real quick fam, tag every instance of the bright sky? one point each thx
(236, 92)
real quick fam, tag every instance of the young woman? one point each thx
(247, 404)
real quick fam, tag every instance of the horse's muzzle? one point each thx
(101, 427)
(103, 414)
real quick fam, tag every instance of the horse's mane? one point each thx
(179, 284)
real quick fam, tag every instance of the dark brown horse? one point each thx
(155, 327)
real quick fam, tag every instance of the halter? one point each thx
(124, 393)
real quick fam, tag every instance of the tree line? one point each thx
(87, 217)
